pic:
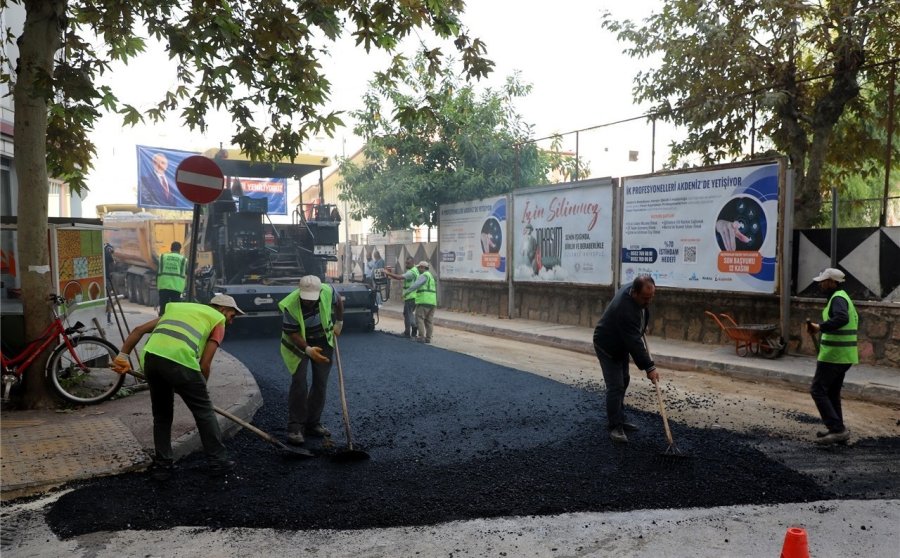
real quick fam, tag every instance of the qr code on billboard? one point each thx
(690, 254)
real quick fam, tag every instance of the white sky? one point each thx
(580, 79)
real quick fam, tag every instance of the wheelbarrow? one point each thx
(751, 339)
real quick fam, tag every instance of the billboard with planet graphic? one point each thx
(472, 238)
(711, 229)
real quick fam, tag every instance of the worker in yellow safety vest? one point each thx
(425, 289)
(312, 315)
(171, 276)
(177, 359)
(409, 277)
(838, 351)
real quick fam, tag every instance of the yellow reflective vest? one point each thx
(172, 272)
(427, 293)
(182, 332)
(291, 353)
(407, 283)
(840, 346)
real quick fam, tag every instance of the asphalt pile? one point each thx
(451, 437)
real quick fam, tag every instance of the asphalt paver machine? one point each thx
(242, 253)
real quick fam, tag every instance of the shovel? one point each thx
(283, 450)
(348, 454)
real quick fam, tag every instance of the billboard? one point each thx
(272, 189)
(157, 188)
(564, 234)
(472, 239)
(156, 178)
(712, 229)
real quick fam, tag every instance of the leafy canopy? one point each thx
(431, 140)
(256, 60)
(790, 72)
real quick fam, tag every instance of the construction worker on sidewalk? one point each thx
(171, 276)
(312, 315)
(178, 359)
(838, 351)
(425, 289)
(409, 300)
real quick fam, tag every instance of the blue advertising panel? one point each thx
(156, 178)
(272, 189)
(157, 188)
(472, 238)
(712, 229)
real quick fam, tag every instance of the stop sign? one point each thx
(199, 179)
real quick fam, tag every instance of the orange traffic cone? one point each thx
(795, 544)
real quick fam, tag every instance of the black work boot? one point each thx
(162, 471)
(617, 434)
(220, 468)
(316, 430)
(834, 438)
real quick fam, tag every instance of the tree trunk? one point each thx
(40, 40)
(798, 145)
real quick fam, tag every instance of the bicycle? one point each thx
(79, 366)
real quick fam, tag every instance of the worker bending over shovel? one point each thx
(618, 335)
(312, 316)
(178, 359)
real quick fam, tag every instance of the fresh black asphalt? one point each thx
(452, 437)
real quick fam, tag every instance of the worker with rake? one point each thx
(618, 335)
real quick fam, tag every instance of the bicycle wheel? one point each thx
(93, 380)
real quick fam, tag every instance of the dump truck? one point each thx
(137, 240)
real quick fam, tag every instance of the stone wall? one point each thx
(678, 314)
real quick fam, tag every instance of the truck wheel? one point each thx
(145, 293)
(139, 289)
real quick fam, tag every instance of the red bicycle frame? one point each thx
(19, 363)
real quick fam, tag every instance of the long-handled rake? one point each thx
(672, 452)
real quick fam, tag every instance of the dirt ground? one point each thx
(704, 400)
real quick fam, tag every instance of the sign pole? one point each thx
(200, 180)
(192, 260)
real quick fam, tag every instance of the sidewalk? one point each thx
(864, 381)
(43, 449)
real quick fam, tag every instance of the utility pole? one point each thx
(348, 253)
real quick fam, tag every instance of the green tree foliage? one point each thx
(256, 60)
(794, 70)
(446, 143)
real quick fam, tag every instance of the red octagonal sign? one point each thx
(199, 179)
